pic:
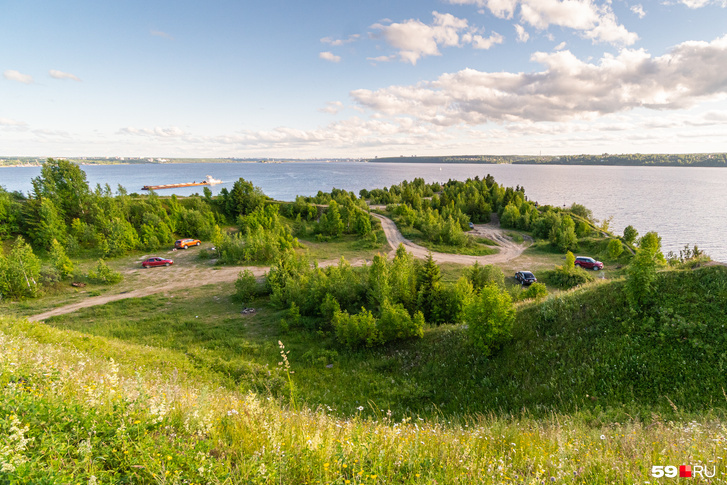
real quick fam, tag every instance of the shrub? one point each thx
(565, 278)
(395, 323)
(630, 234)
(536, 291)
(615, 248)
(489, 319)
(104, 274)
(356, 330)
(563, 235)
(640, 278)
(246, 286)
(61, 262)
(19, 271)
(480, 275)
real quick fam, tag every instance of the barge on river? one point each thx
(208, 181)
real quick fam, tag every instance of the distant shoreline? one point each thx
(621, 160)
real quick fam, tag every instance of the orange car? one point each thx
(185, 243)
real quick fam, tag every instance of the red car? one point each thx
(588, 263)
(155, 261)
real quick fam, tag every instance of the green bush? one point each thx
(489, 319)
(104, 274)
(19, 271)
(246, 286)
(534, 291)
(395, 323)
(357, 330)
(615, 248)
(565, 278)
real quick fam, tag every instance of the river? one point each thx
(685, 205)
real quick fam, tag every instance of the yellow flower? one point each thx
(326, 465)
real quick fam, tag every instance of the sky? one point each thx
(354, 79)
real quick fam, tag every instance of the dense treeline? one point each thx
(636, 159)
(628, 159)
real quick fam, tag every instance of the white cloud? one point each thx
(381, 59)
(500, 8)
(344, 134)
(329, 56)
(596, 22)
(159, 33)
(9, 122)
(62, 75)
(638, 10)
(567, 88)
(560, 46)
(332, 107)
(415, 39)
(18, 76)
(340, 42)
(479, 42)
(522, 34)
(703, 3)
(171, 132)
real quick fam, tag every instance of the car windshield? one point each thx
(527, 274)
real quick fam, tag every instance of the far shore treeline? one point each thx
(627, 159)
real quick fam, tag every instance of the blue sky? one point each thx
(340, 78)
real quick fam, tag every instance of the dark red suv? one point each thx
(588, 263)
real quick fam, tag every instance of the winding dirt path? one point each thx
(181, 276)
(508, 249)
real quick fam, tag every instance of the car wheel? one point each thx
(595, 268)
(186, 247)
(577, 265)
(166, 264)
(145, 266)
(197, 244)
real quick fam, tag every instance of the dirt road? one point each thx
(142, 282)
(508, 248)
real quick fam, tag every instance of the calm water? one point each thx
(684, 205)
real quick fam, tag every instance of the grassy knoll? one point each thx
(476, 247)
(81, 409)
(350, 246)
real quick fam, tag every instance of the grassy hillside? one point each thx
(587, 350)
(581, 352)
(83, 409)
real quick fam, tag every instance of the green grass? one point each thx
(69, 414)
(350, 246)
(477, 246)
(592, 342)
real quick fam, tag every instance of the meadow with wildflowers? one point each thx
(72, 416)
